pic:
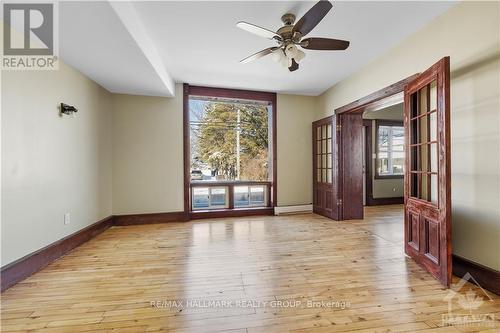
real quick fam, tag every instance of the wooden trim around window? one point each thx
(235, 95)
(232, 94)
(186, 149)
(384, 122)
(378, 123)
(274, 185)
(377, 176)
(368, 162)
(235, 212)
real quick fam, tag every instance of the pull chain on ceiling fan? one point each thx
(291, 35)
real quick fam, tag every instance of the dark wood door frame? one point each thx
(370, 200)
(351, 201)
(360, 104)
(234, 94)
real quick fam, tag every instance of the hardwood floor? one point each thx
(122, 280)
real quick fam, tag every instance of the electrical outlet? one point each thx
(67, 218)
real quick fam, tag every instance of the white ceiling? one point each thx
(140, 47)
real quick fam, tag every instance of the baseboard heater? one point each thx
(280, 210)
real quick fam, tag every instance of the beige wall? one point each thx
(470, 34)
(121, 154)
(52, 164)
(147, 152)
(295, 117)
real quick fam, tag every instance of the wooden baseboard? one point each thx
(384, 201)
(134, 219)
(209, 214)
(20, 269)
(488, 278)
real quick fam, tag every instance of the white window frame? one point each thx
(210, 206)
(249, 187)
(390, 139)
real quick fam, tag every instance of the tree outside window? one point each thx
(230, 140)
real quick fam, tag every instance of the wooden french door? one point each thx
(427, 174)
(324, 136)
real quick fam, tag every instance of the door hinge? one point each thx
(339, 127)
(339, 202)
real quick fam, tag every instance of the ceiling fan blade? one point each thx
(259, 54)
(312, 17)
(315, 43)
(294, 66)
(259, 31)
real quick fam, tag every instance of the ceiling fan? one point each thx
(291, 35)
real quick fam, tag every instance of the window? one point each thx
(229, 149)
(250, 196)
(209, 197)
(390, 150)
(229, 140)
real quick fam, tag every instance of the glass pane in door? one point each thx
(423, 102)
(433, 96)
(423, 146)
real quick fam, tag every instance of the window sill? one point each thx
(236, 212)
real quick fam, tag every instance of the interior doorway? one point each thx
(383, 168)
(425, 164)
(383, 153)
(360, 166)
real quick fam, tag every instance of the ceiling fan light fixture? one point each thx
(278, 55)
(291, 35)
(291, 51)
(285, 61)
(299, 56)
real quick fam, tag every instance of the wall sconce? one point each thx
(68, 109)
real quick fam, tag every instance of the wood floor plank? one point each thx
(297, 273)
